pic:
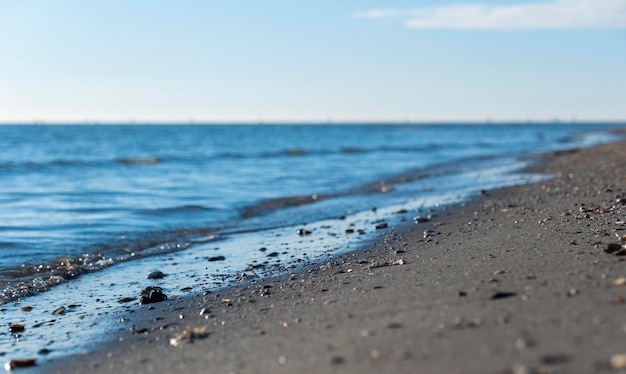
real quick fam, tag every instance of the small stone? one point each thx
(189, 336)
(420, 219)
(383, 225)
(155, 275)
(151, 295)
(59, 311)
(430, 232)
(303, 232)
(21, 363)
(502, 295)
(27, 308)
(619, 281)
(498, 272)
(349, 231)
(16, 328)
(216, 258)
(336, 360)
(122, 300)
(616, 249)
(273, 254)
(618, 361)
(572, 292)
(282, 360)
(617, 301)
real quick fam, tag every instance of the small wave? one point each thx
(176, 210)
(138, 161)
(31, 279)
(266, 206)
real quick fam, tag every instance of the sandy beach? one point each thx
(519, 280)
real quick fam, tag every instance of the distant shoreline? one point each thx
(608, 122)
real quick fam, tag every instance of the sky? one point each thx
(327, 60)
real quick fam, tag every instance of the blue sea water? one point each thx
(107, 191)
(87, 211)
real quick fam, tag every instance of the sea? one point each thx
(87, 212)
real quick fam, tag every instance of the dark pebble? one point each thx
(337, 360)
(16, 327)
(383, 225)
(22, 363)
(217, 258)
(155, 275)
(394, 325)
(262, 249)
(122, 300)
(303, 232)
(152, 294)
(616, 249)
(502, 295)
(273, 254)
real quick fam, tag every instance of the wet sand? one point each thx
(515, 281)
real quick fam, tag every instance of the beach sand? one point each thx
(516, 281)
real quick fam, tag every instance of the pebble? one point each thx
(420, 219)
(619, 281)
(16, 328)
(27, 308)
(383, 225)
(303, 232)
(430, 232)
(151, 295)
(21, 363)
(217, 258)
(616, 249)
(502, 295)
(189, 336)
(155, 275)
(59, 311)
(336, 360)
(618, 361)
(125, 299)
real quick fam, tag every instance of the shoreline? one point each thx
(511, 280)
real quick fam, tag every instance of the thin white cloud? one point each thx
(556, 14)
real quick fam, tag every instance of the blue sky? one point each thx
(285, 60)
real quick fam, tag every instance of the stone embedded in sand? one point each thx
(616, 249)
(122, 300)
(430, 232)
(420, 219)
(303, 232)
(155, 275)
(502, 295)
(383, 225)
(16, 328)
(189, 336)
(27, 308)
(21, 363)
(59, 311)
(152, 294)
(619, 281)
(216, 258)
(618, 361)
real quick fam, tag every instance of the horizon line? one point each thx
(319, 122)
